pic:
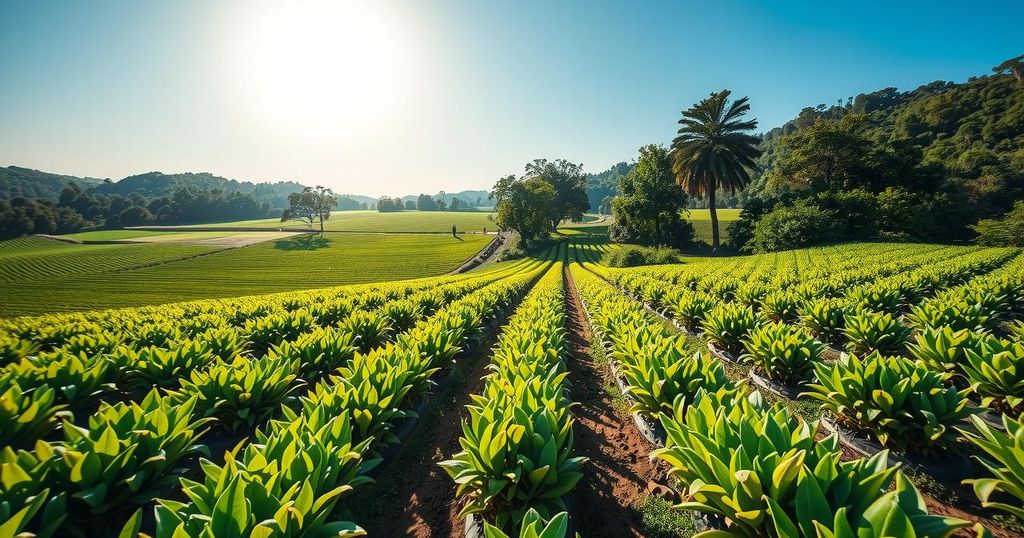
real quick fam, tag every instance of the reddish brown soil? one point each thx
(416, 497)
(619, 474)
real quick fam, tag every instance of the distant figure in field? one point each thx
(485, 230)
(453, 232)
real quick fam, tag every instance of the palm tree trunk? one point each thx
(714, 219)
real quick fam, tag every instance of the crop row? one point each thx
(516, 456)
(210, 355)
(751, 468)
(956, 309)
(129, 451)
(34, 258)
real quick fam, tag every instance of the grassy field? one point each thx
(41, 276)
(701, 220)
(373, 221)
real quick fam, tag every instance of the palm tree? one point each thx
(714, 150)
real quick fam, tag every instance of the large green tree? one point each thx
(313, 204)
(524, 205)
(714, 150)
(569, 183)
(649, 206)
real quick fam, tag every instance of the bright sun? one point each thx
(316, 68)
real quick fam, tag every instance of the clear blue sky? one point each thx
(396, 97)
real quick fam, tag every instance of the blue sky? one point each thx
(395, 97)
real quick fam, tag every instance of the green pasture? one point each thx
(701, 221)
(373, 221)
(52, 276)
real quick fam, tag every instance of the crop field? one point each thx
(196, 237)
(863, 390)
(41, 275)
(374, 221)
(33, 258)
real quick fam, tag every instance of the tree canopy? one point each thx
(650, 205)
(312, 204)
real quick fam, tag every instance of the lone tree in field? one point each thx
(311, 205)
(713, 150)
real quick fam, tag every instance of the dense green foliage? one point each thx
(649, 208)
(545, 195)
(925, 164)
(632, 256)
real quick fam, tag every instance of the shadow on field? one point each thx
(303, 242)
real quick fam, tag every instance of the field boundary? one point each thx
(489, 252)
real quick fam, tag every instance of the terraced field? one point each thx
(34, 258)
(47, 276)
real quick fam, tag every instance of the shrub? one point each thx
(14, 349)
(789, 227)
(403, 314)
(240, 394)
(27, 417)
(528, 445)
(155, 367)
(77, 379)
(26, 506)
(780, 306)
(751, 294)
(876, 299)
(943, 349)
(899, 402)
(370, 329)
(768, 474)
(941, 313)
(660, 374)
(126, 455)
(995, 370)
(317, 353)
(825, 318)
(1005, 453)
(868, 332)
(782, 353)
(727, 324)
(534, 526)
(633, 256)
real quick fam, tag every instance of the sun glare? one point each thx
(318, 68)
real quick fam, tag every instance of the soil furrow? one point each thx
(619, 475)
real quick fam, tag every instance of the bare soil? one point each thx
(414, 496)
(620, 474)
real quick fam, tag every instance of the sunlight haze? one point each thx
(400, 97)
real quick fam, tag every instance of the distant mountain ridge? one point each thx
(35, 184)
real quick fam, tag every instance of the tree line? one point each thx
(77, 209)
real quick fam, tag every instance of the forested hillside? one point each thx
(925, 164)
(155, 184)
(18, 181)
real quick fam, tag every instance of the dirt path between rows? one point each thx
(619, 475)
(414, 496)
